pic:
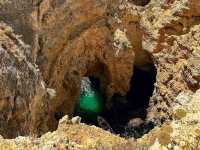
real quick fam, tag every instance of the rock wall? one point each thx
(22, 16)
(65, 137)
(21, 91)
(171, 34)
(70, 39)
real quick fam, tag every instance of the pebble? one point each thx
(136, 122)
(76, 120)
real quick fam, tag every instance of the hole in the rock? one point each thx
(140, 2)
(91, 103)
(126, 116)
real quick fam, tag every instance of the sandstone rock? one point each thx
(71, 39)
(76, 120)
(182, 133)
(21, 92)
(177, 71)
(162, 19)
(67, 136)
(21, 15)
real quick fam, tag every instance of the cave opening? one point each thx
(92, 101)
(126, 115)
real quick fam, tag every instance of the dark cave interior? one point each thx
(134, 104)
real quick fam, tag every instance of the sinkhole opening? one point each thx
(126, 115)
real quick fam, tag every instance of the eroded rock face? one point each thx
(164, 18)
(177, 68)
(183, 131)
(68, 136)
(89, 38)
(71, 39)
(81, 43)
(20, 86)
(22, 15)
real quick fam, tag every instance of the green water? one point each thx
(90, 103)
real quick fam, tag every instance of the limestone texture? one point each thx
(21, 86)
(48, 46)
(72, 136)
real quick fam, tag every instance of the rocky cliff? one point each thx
(67, 40)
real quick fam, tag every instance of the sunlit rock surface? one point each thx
(70, 39)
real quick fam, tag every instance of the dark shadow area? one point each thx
(126, 116)
(140, 2)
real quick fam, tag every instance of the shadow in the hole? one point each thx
(125, 108)
(133, 105)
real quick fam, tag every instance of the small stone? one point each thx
(64, 120)
(51, 92)
(76, 120)
(136, 122)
